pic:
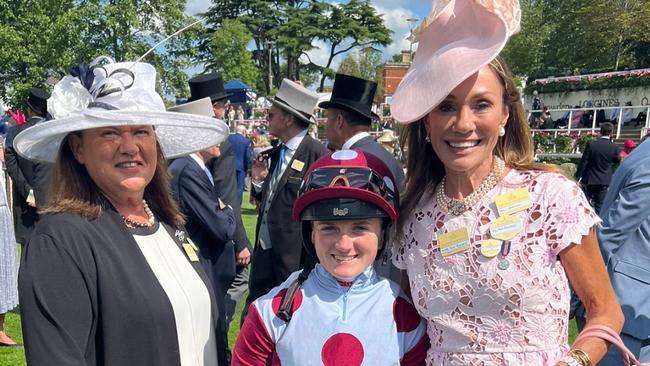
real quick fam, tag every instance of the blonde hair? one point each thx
(425, 169)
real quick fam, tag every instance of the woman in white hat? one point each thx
(108, 277)
(489, 240)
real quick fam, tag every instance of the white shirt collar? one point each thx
(354, 139)
(295, 141)
(198, 160)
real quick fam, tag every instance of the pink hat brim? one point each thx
(459, 42)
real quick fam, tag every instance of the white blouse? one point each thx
(187, 294)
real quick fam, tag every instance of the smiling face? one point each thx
(346, 248)
(120, 160)
(464, 127)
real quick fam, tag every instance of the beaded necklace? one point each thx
(134, 224)
(457, 207)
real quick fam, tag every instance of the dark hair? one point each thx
(606, 128)
(74, 191)
(425, 170)
(354, 119)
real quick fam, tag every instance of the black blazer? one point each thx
(598, 159)
(26, 175)
(86, 288)
(285, 234)
(209, 227)
(225, 182)
(368, 144)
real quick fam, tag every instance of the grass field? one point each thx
(16, 357)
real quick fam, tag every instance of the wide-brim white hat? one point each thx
(456, 40)
(296, 99)
(117, 94)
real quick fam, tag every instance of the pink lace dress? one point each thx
(477, 313)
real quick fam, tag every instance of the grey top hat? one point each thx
(296, 99)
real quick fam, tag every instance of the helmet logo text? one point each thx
(339, 212)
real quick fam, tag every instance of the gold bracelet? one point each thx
(581, 356)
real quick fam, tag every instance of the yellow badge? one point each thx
(191, 253)
(515, 201)
(454, 242)
(490, 248)
(505, 227)
(297, 165)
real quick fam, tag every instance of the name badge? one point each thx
(490, 248)
(454, 242)
(191, 253)
(297, 165)
(505, 227)
(515, 201)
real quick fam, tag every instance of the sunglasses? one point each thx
(363, 178)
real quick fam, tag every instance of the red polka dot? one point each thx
(405, 315)
(277, 301)
(342, 349)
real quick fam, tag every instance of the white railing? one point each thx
(594, 128)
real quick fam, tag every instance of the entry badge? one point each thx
(297, 165)
(505, 227)
(490, 247)
(191, 253)
(512, 202)
(454, 242)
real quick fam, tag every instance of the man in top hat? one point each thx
(223, 169)
(349, 118)
(31, 179)
(278, 251)
(348, 121)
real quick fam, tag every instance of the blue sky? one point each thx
(395, 13)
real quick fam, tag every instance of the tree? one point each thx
(39, 39)
(525, 50)
(352, 25)
(231, 56)
(293, 26)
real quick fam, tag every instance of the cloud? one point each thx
(197, 6)
(396, 20)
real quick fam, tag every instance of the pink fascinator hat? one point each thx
(456, 40)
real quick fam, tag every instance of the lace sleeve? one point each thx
(568, 214)
(397, 252)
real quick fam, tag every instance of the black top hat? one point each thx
(207, 85)
(352, 94)
(37, 101)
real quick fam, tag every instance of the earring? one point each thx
(427, 139)
(502, 131)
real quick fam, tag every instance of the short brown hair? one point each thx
(425, 170)
(74, 191)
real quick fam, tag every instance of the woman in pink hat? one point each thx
(489, 240)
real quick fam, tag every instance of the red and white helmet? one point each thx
(347, 184)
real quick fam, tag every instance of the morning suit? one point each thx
(273, 266)
(241, 148)
(624, 239)
(26, 175)
(209, 227)
(596, 168)
(225, 182)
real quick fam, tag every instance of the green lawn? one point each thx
(16, 357)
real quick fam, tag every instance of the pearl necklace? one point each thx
(457, 207)
(136, 225)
